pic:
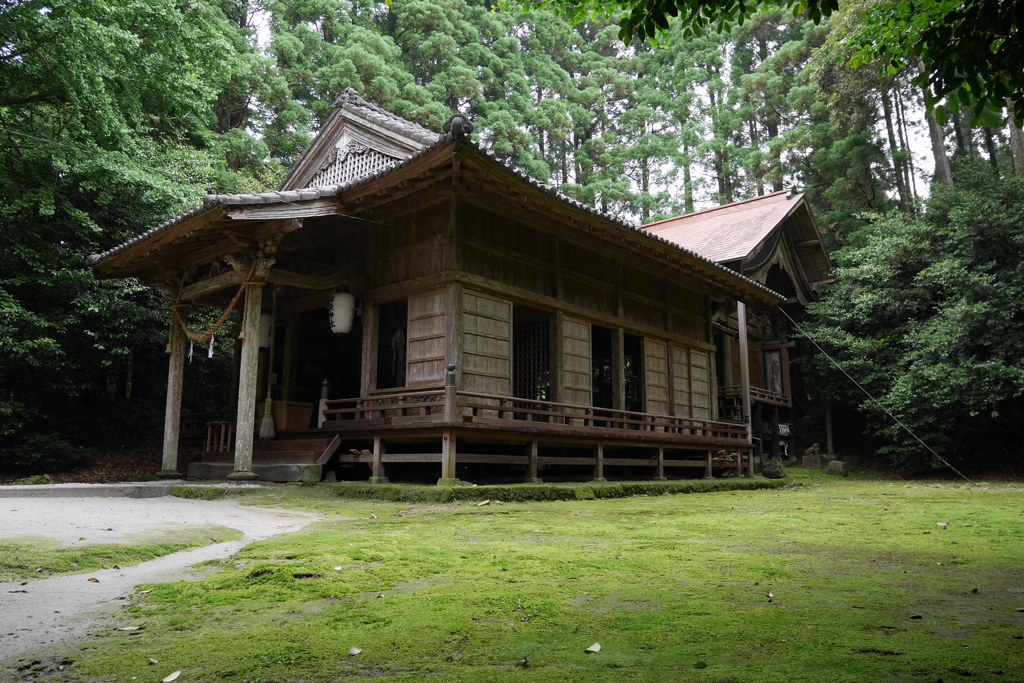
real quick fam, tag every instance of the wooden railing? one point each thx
(756, 394)
(418, 407)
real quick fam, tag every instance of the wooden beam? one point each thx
(216, 283)
(288, 210)
(339, 278)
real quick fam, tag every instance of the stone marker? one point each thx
(838, 467)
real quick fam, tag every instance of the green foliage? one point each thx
(926, 314)
(540, 492)
(981, 72)
(42, 453)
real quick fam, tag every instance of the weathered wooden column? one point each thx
(377, 475)
(172, 411)
(531, 467)
(245, 417)
(741, 321)
(659, 471)
(599, 462)
(449, 453)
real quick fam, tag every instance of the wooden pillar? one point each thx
(172, 410)
(618, 369)
(371, 321)
(776, 436)
(377, 475)
(741, 318)
(531, 468)
(659, 472)
(247, 383)
(708, 474)
(449, 454)
(599, 464)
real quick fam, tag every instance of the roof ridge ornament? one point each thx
(350, 96)
(458, 126)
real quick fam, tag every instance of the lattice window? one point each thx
(351, 162)
(531, 354)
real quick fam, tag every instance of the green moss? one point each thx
(25, 557)
(673, 588)
(207, 492)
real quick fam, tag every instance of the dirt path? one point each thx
(62, 608)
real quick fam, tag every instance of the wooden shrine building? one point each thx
(488, 325)
(772, 239)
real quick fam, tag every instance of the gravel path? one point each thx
(62, 608)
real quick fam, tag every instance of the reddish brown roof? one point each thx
(729, 232)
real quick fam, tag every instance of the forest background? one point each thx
(117, 115)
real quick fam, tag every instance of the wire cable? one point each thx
(872, 398)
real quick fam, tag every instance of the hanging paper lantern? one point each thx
(340, 309)
(266, 328)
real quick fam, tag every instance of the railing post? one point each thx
(449, 454)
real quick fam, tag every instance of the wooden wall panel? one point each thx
(487, 344)
(414, 248)
(700, 384)
(681, 381)
(656, 376)
(426, 340)
(576, 362)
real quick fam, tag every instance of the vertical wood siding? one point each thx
(656, 376)
(576, 361)
(681, 381)
(487, 344)
(426, 339)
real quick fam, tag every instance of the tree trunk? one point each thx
(990, 147)
(901, 117)
(943, 175)
(1016, 140)
(687, 181)
(894, 152)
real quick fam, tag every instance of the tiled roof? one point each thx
(459, 132)
(350, 101)
(730, 232)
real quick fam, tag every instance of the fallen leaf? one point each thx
(483, 502)
(24, 583)
(942, 525)
(82, 538)
(153, 661)
(354, 651)
(380, 595)
(596, 647)
(93, 579)
(129, 628)
(148, 590)
(338, 569)
(172, 676)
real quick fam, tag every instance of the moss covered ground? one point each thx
(834, 579)
(35, 557)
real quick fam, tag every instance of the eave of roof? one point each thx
(211, 202)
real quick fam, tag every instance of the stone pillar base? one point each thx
(449, 481)
(659, 479)
(379, 480)
(169, 474)
(534, 480)
(243, 475)
(599, 480)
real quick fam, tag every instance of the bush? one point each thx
(38, 453)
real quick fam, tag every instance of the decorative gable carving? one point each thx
(355, 156)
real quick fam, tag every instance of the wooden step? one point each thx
(266, 457)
